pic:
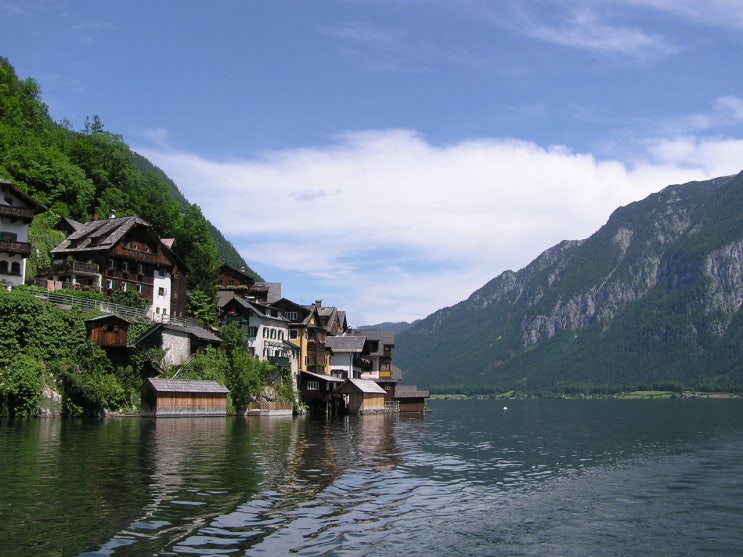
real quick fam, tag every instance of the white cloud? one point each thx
(396, 228)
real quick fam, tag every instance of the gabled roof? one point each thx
(186, 386)
(194, 331)
(104, 318)
(410, 391)
(27, 200)
(104, 234)
(365, 386)
(328, 378)
(262, 310)
(345, 343)
(98, 235)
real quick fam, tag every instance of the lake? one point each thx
(542, 477)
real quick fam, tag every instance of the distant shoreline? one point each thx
(630, 395)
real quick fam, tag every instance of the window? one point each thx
(111, 264)
(140, 288)
(109, 284)
(313, 385)
(161, 291)
(140, 269)
(123, 287)
(125, 266)
(252, 332)
(3, 267)
(293, 333)
(15, 268)
(291, 315)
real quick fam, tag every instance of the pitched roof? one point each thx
(98, 235)
(363, 385)
(5, 185)
(328, 378)
(345, 343)
(186, 386)
(410, 391)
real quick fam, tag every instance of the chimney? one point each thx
(318, 303)
(112, 214)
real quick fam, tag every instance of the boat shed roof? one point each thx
(186, 386)
(360, 385)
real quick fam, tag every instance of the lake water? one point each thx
(545, 477)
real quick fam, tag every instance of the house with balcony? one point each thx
(266, 332)
(17, 210)
(377, 352)
(123, 254)
(346, 361)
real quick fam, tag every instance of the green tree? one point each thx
(21, 385)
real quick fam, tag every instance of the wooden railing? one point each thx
(16, 212)
(22, 248)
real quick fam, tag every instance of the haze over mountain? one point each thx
(651, 300)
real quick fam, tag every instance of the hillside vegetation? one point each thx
(650, 301)
(46, 361)
(78, 174)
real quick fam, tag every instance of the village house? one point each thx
(266, 332)
(377, 353)
(178, 342)
(123, 254)
(230, 277)
(345, 356)
(17, 210)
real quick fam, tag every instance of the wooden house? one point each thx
(411, 399)
(17, 210)
(181, 398)
(363, 396)
(123, 254)
(109, 331)
(230, 277)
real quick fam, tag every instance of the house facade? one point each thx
(17, 210)
(345, 355)
(123, 254)
(266, 332)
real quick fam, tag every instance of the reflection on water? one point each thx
(545, 477)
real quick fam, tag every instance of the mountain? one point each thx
(651, 300)
(396, 327)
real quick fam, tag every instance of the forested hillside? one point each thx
(650, 301)
(80, 173)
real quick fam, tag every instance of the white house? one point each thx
(17, 210)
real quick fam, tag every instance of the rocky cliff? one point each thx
(651, 299)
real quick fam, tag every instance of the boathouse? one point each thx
(181, 397)
(411, 399)
(363, 396)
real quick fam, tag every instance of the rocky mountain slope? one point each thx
(650, 300)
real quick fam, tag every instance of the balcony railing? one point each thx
(75, 267)
(16, 212)
(22, 248)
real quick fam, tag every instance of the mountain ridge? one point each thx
(655, 291)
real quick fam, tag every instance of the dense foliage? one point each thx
(78, 174)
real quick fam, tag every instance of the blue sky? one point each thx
(392, 156)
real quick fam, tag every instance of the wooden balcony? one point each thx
(12, 247)
(75, 268)
(13, 212)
